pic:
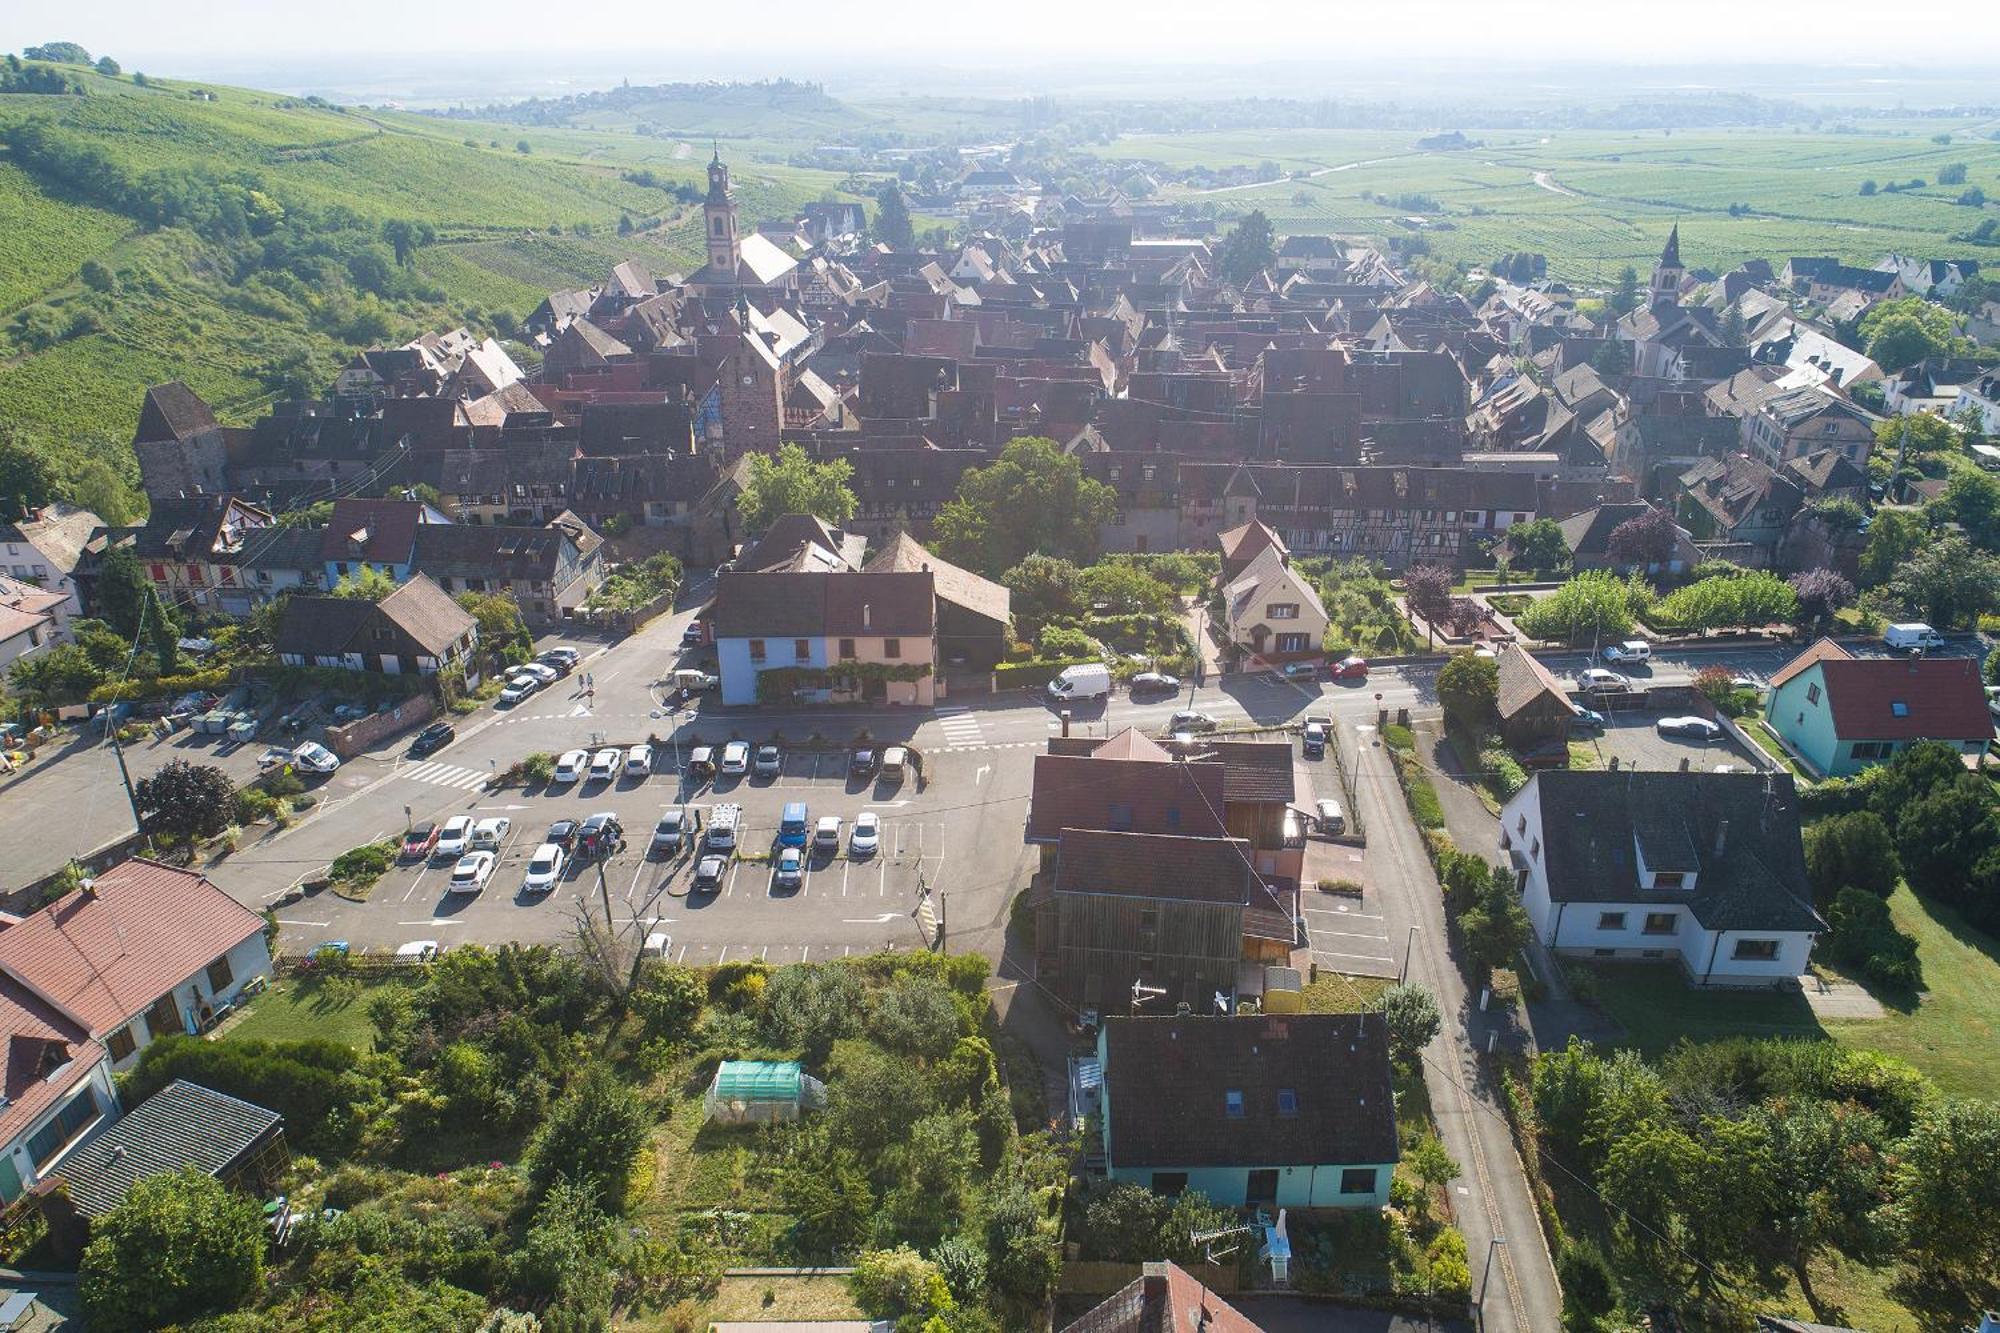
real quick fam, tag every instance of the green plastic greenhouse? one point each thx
(758, 1091)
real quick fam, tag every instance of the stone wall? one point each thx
(358, 735)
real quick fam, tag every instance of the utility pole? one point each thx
(1487, 1277)
(111, 724)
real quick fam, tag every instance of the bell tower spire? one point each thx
(719, 215)
(1667, 274)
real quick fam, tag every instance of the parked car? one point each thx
(1351, 669)
(688, 682)
(736, 758)
(1313, 740)
(1632, 650)
(562, 833)
(671, 833)
(489, 833)
(1155, 681)
(894, 759)
(453, 838)
(420, 841)
(826, 835)
(315, 758)
(471, 873)
(862, 764)
(867, 835)
(563, 653)
(545, 869)
(723, 822)
(1330, 818)
(708, 872)
(639, 761)
(1695, 728)
(792, 824)
(432, 739)
(571, 765)
(791, 871)
(1301, 671)
(418, 951)
(1585, 719)
(692, 636)
(548, 675)
(701, 763)
(1089, 680)
(1913, 637)
(1189, 719)
(519, 686)
(1602, 680)
(601, 834)
(658, 945)
(770, 761)
(604, 764)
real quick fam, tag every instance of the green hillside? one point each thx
(234, 239)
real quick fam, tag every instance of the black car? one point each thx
(601, 835)
(863, 763)
(433, 738)
(563, 834)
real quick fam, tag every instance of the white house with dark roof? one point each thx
(1273, 609)
(1704, 869)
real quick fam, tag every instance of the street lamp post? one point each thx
(1487, 1277)
(1409, 945)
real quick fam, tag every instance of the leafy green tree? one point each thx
(791, 482)
(1126, 590)
(62, 674)
(503, 634)
(1948, 582)
(892, 219)
(1853, 850)
(1045, 588)
(1412, 1014)
(366, 584)
(98, 488)
(1122, 1220)
(668, 999)
(1941, 837)
(811, 1006)
(1919, 432)
(1249, 249)
(63, 53)
(406, 236)
(108, 67)
(1538, 545)
(1915, 772)
(1430, 1162)
(1593, 604)
(916, 1016)
(1893, 538)
(123, 592)
(1903, 332)
(1034, 498)
(1495, 927)
(1625, 296)
(1469, 688)
(1757, 597)
(1946, 1190)
(1023, 1254)
(183, 800)
(592, 1140)
(181, 1247)
(1588, 1284)
(932, 1170)
(1830, 1187)
(566, 1259)
(871, 1099)
(1972, 499)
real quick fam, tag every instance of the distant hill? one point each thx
(236, 239)
(767, 108)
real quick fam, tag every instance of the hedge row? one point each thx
(1034, 671)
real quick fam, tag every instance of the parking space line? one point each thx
(1351, 935)
(724, 954)
(1365, 957)
(735, 867)
(845, 867)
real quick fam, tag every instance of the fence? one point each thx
(358, 735)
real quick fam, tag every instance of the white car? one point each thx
(1694, 728)
(604, 764)
(418, 951)
(548, 675)
(315, 758)
(639, 761)
(1598, 678)
(489, 833)
(519, 687)
(658, 945)
(545, 869)
(867, 835)
(453, 838)
(571, 765)
(471, 872)
(1632, 650)
(736, 758)
(1189, 719)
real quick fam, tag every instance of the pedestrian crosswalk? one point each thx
(960, 727)
(446, 775)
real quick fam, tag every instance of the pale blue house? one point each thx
(1276, 1110)
(1841, 713)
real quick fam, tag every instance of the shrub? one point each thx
(1587, 1281)
(1066, 641)
(538, 768)
(1501, 772)
(253, 805)
(892, 1283)
(1451, 1275)
(1853, 850)
(363, 865)
(1865, 936)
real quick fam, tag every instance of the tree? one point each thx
(791, 482)
(1588, 1284)
(108, 67)
(1613, 359)
(1756, 597)
(1947, 1192)
(1893, 538)
(1868, 187)
(1034, 498)
(1903, 332)
(1948, 582)
(1249, 249)
(122, 592)
(1412, 1014)
(405, 236)
(184, 800)
(811, 1006)
(592, 1140)
(1538, 545)
(916, 1016)
(98, 488)
(668, 999)
(1820, 592)
(63, 53)
(1972, 500)
(1917, 771)
(1125, 590)
(1941, 837)
(1048, 588)
(1625, 296)
(503, 634)
(567, 1259)
(1023, 1256)
(180, 1248)
(1951, 173)
(826, 1189)
(1495, 927)
(1644, 540)
(932, 1169)
(365, 584)
(1593, 605)
(1920, 432)
(1469, 688)
(1427, 588)
(1852, 850)
(61, 674)
(892, 219)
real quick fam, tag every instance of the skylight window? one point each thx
(1232, 1103)
(1898, 708)
(1288, 1102)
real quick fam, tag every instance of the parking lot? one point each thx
(1634, 740)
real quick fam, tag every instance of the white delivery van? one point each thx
(1091, 680)
(1905, 637)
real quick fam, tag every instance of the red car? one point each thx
(420, 842)
(1351, 668)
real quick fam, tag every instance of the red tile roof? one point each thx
(1929, 698)
(1165, 1299)
(386, 530)
(1823, 650)
(107, 954)
(37, 1036)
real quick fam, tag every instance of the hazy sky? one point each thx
(794, 35)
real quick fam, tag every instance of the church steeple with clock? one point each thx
(719, 212)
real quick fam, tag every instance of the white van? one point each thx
(1905, 637)
(1091, 680)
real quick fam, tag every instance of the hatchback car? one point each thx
(519, 687)
(315, 758)
(1693, 728)
(572, 765)
(708, 872)
(601, 834)
(1155, 682)
(419, 842)
(1188, 719)
(1313, 739)
(560, 660)
(736, 758)
(1301, 671)
(1599, 678)
(1330, 818)
(791, 872)
(1351, 668)
(563, 834)
(671, 833)
(867, 835)
(826, 835)
(1585, 719)
(1632, 650)
(545, 869)
(770, 761)
(691, 637)
(548, 675)
(701, 763)
(454, 837)
(471, 872)
(862, 763)
(433, 738)
(604, 764)
(658, 945)
(638, 761)
(488, 834)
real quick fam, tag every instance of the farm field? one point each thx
(1596, 201)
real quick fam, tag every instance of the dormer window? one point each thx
(1668, 879)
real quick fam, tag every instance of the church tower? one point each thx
(1667, 274)
(719, 211)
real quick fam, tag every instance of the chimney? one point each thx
(1721, 835)
(865, 617)
(1065, 723)
(88, 888)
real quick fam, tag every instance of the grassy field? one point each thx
(1596, 201)
(293, 1011)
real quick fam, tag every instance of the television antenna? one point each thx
(1141, 992)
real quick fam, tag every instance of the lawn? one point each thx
(293, 1010)
(1656, 1007)
(1752, 723)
